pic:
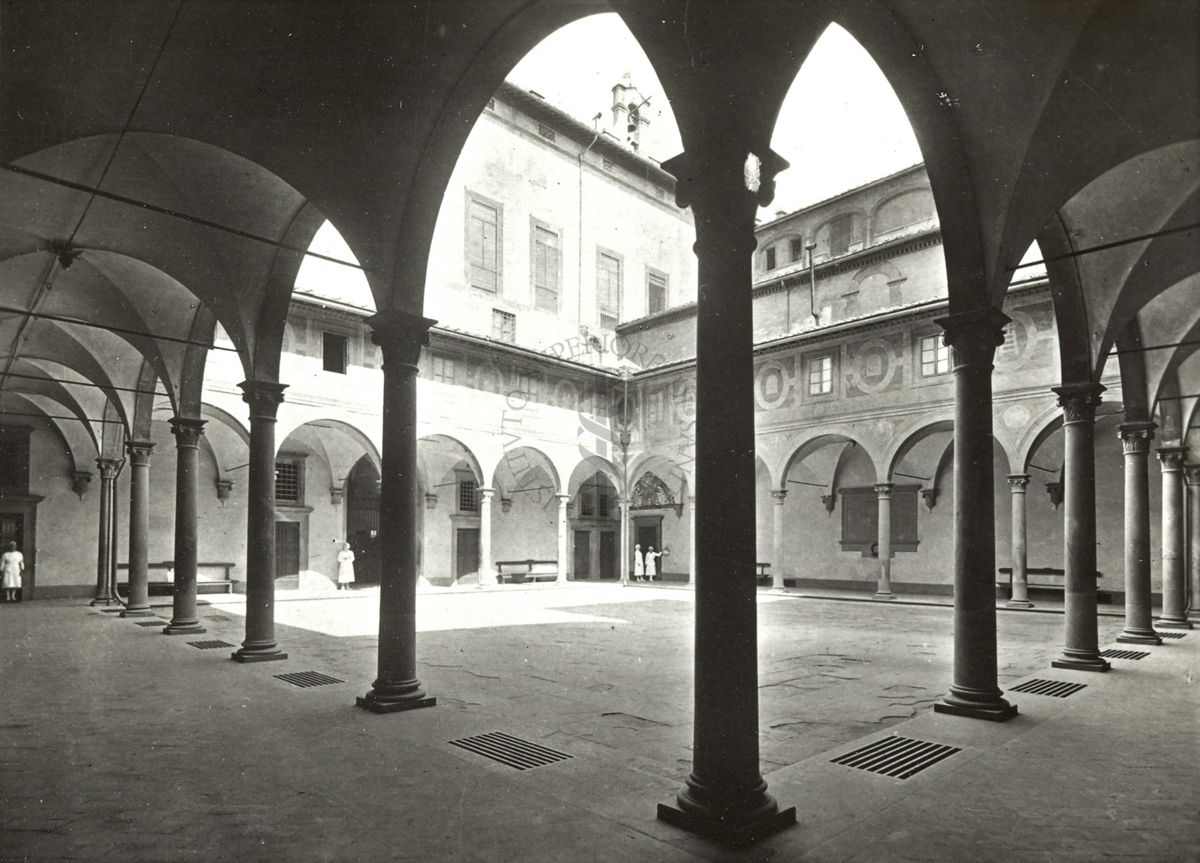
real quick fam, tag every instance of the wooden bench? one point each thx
(165, 585)
(521, 571)
(1043, 578)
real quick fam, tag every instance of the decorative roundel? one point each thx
(772, 385)
(1015, 416)
(874, 366)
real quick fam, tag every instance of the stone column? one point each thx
(487, 572)
(1174, 580)
(138, 604)
(400, 336)
(725, 794)
(1192, 475)
(184, 618)
(105, 584)
(691, 540)
(973, 338)
(1081, 650)
(624, 540)
(264, 398)
(1135, 441)
(778, 496)
(563, 563)
(883, 496)
(1017, 483)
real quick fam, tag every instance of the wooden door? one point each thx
(583, 554)
(608, 554)
(287, 548)
(466, 551)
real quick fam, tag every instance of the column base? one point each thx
(1084, 662)
(183, 629)
(1019, 603)
(138, 612)
(258, 654)
(1000, 710)
(1138, 636)
(1173, 623)
(882, 595)
(728, 831)
(375, 704)
(102, 600)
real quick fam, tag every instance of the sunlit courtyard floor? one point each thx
(119, 743)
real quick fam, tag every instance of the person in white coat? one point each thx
(11, 564)
(639, 563)
(345, 561)
(652, 557)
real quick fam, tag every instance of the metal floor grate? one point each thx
(156, 622)
(1124, 654)
(1056, 688)
(209, 645)
(513, 751)
(1162, 634)
(898, 757)
(305, 679)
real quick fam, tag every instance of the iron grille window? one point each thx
(935, 356)
(608, 289)
(504, 326)
(820, 376)
(656, 292)
(468, 495)
(547, 257)
(333, 353)
(483, 245)
(287, 481)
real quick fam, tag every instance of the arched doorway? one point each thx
(362, 519)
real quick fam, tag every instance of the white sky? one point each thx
(858, 131)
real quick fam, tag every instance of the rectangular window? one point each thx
(656, 292)
(935, 356)
(841, 231)
(820, 376)
(769, 257)
(443, 369)
(333, 353)
(504, 326)
(483, 244)
(608, 289)
(288, 482)
(587, 504)
(795, 249)
(468, 495)
(547, 266)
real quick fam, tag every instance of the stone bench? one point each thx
(521, 571)
(1043, 578)
(161, 581)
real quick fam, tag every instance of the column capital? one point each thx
(563, 500)
(883, 489)
(109, 468)
(1191, 473)
(187, 430)
(1078, 401)
(401, 335)
(139, 451)
(1171, 457)
(264, 397)
(725, 166)
(1018, 482)
(486, 493)
(1136, 437)
(779, 495)
(973, 336)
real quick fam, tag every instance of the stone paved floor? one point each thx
(121, 744)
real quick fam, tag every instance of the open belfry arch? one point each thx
(165, 166)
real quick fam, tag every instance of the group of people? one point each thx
(645, 564)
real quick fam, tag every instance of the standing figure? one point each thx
(652, 557)
(639, 565)
(11, 564)
(345, 560)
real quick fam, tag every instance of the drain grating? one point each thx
(1056, 688)
(513, 751)
(209, 645)
(155, 622)
(1162, 634)
(1124, 654)
(305, 679)
(898, 757)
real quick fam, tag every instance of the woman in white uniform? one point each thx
(345, 560)
(11, 565)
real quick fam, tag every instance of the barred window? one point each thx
(288, 481)
(468, 495)
(504, 326)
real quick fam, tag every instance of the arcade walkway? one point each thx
(121, 744)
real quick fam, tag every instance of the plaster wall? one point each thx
(62, 568)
